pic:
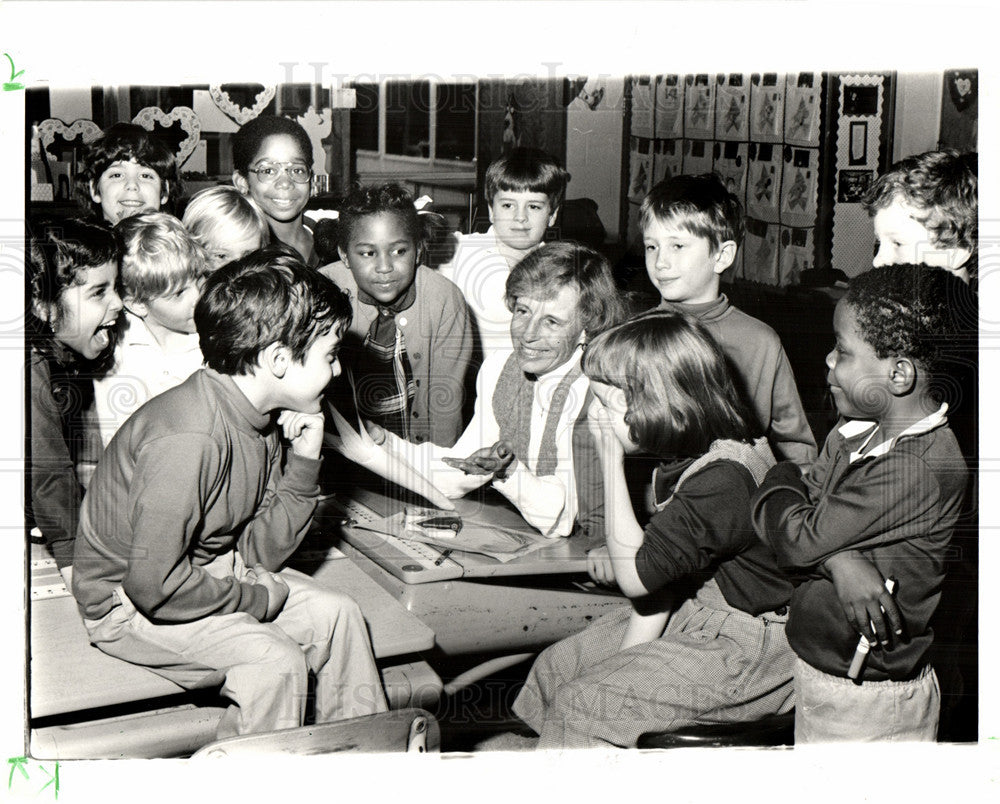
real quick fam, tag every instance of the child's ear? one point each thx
(343, 256)
(903, 376)
(275, 358)
(489, 210)
(725, 255)
(96, 196)
(240, 183)
(165, 195)
(552, 217)
(135, 306)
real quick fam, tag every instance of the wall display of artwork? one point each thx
(732, 108)
(699, 106)
(771, 138)
(797, 251)
(667, 159)
(767, 107)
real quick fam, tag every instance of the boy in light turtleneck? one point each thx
(691, 228)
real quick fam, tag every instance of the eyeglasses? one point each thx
(269, 172)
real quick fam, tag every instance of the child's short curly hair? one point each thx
(362, 201)
(267, 297)
(249, 139)
(159, 256)
(127, 142)
(527, 170)
(912, 311)
(699, 204)
(942, 188)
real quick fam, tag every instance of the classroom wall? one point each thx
(918, 114)
(594, 147)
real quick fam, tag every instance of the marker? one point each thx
(861, 651)
(442, 557)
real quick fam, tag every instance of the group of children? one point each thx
(208, 345)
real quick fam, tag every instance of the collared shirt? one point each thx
(143, 369)
(480, 271)
(857, 427)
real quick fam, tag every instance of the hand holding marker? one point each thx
(861, 651)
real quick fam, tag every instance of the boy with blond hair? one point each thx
(162, 268)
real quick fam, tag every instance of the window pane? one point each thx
(364, 118)
(407, 118)
(456, 121)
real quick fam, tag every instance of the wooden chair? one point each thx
(776, 730)
(401, 730)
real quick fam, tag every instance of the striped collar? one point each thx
(858, 427)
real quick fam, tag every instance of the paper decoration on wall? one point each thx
(317, 125)
(667, 160)
(697, 157)
(802, 108)
(732, 106)
(699, 107)
(760, 261)
(642, 107)
(589, 92)
(668, 116)
(799, 186)
(767, 107)
(211, 117)
(188, 120)
(640, 168)
(797, 254)
(960, 110)
(241, 114)
(86, 130)
(764, 182)
(730, 163)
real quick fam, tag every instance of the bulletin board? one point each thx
(782, 142)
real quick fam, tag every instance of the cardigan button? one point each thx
(402, 321)
(416, 355)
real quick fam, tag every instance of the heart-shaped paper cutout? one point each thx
(963, 85)
(48, 129)
(181, 114)
(241, 114)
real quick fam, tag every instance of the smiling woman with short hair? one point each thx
(528, 436)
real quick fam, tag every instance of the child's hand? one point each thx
(599, 566)
(376, 432)
(864, 598)
(304, 431)
(277, 590)
(609, 448)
